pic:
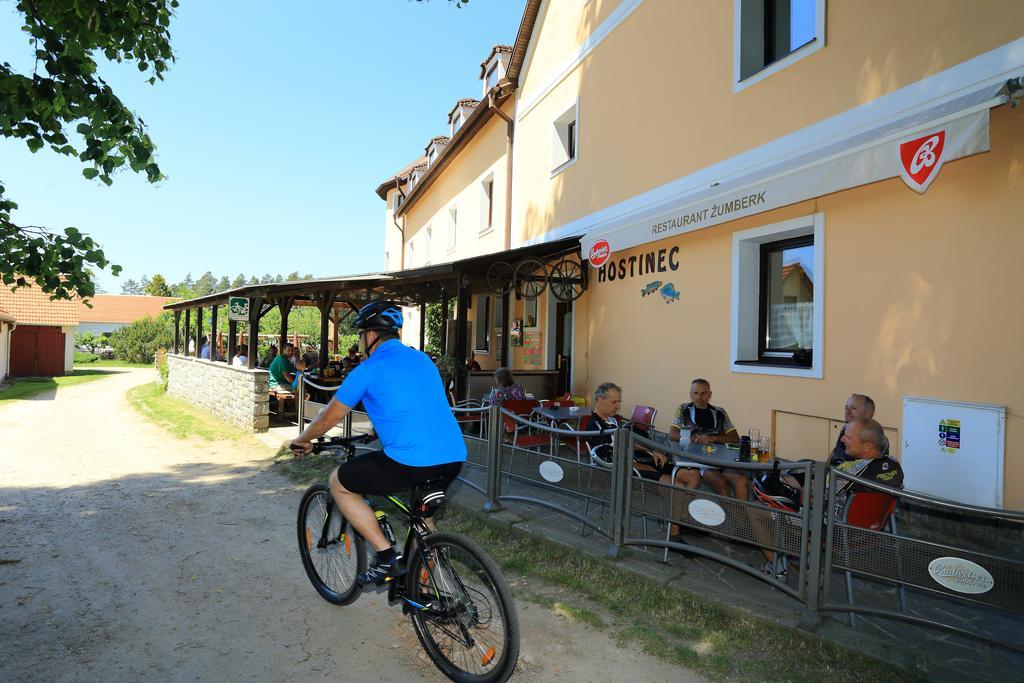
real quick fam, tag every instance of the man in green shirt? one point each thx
(282, 370)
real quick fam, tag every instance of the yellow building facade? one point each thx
(796, 207)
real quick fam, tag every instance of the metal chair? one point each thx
(643, 420)
(471, 418)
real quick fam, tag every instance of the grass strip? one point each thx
(119, 364)
(668, 623)
(180, 418)
(31, 386)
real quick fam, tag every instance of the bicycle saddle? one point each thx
(428, 496)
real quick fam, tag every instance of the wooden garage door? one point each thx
(37, 351)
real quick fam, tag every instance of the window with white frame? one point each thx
(493, 75)
(771, 34)
(408, 255)
(396, 201)
(778, 298)
(565, 139)
(487, 203)
(482, 324)
(426, 247)
(456, 122)
(453, 226)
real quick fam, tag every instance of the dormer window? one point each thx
(456, 123)
(493, 69)
(435, 147)
(460, 113)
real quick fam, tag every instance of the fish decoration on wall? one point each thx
(651, 288)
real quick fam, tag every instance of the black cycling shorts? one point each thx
(377, 474)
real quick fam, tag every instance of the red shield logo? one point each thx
(599, 253)
(921, 159)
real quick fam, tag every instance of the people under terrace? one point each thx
(241, 359)
(656, 466)
(868, 446)
(282, 370)
(269, 358)
(472, 365)
(505, 388)
(857, 407)
(353, 357)
(709, 424)
(311, 358)
(204, 348)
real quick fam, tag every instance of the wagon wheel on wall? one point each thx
(531, 278)
(568, 280)
(500, 277)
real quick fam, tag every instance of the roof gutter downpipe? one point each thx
(401, 228)
(495, 106)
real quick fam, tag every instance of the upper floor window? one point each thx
(565, 139)
(409, 255)
(453, 226)
(456, 123)
(432, 155)
(488, 198)
(426, 247)
(396, 200)
(771, 34)
(493, 75)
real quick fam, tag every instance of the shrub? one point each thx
(89, 341)
(82, 358)
(161, 366)
(138, 342)
(106, 354)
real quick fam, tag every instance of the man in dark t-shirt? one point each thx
(709, 424)
(865, 441)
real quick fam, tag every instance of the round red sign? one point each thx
(599, 253)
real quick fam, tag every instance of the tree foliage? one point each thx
(64, 90)
(90, 340)
(157, 286)
(139, 341)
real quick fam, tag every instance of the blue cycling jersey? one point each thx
(402, 392)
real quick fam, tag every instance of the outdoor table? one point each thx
(560, 414)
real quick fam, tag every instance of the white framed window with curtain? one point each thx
(778, 276)
(453, 227)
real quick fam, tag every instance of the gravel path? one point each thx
(127, 554)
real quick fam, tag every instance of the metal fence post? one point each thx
(493, 470)
(819, 511)
(301, 407)
(347, 433)
(618, 510)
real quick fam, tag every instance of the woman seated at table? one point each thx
(241, 359)
(505, 388)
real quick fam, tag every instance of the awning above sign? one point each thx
(841, 166)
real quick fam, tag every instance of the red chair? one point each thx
(643, 419)
(479, 419)
(517, 433)
(872, 510)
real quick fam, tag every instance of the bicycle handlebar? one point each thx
(325, 442)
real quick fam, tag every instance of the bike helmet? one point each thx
(379, 315)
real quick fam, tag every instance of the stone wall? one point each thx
(238, 396)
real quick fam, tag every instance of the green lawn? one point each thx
(30, 386)
(179, 417)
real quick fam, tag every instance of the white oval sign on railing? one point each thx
(707, 512)
(960, 575)
(551, 471)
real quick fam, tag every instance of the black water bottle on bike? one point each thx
(385, 526)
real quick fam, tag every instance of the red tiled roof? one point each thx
(5, 316)
(121, 308)
(32, 306)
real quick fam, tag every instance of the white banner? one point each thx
(916, 155)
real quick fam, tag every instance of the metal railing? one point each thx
(939, 581)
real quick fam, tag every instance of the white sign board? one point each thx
(954, 450)
(238, 309)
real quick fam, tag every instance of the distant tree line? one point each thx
(206, 284)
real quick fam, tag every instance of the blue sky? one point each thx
(274, 127)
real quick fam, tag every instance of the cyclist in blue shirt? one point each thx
(403, 394)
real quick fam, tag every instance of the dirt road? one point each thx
(127, 554)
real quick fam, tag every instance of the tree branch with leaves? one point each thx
(64, 89)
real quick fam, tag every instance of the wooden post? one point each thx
(423, 326)
(285, 304)
(214, 333)
(461, 345)
(255, 313)
(188, 330)
(444, 323)
(177, 335)
(199, 332)
(325, 302)
(336, 320)
(232, 340)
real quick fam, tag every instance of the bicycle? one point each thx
(460, 606)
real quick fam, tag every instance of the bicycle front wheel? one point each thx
(462, 610)
(332, 553)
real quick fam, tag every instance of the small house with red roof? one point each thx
(111, 312)
(37, 335)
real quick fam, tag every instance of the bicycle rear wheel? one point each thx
(463, 614)
(332, 553)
